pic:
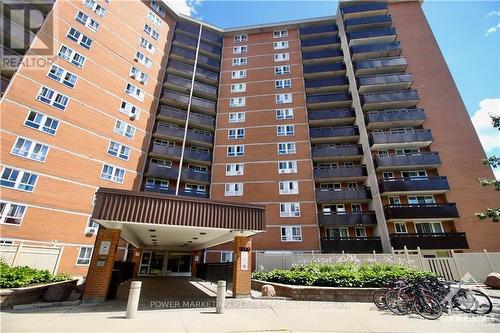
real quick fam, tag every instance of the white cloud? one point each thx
(497, 173)
(493, 13)
(491, 30)
(186, 7)
(488, 135)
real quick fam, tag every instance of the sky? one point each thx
(468, 33)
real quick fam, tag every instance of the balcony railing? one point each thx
(180, 68)
(323, 41)
(422, 136)
(326, 68)
(378, 50)
(321, 116)
(332, 99)
(182, 54)
(372, 33)
(398, 117)
(181, 83)
(210, 49)
(366, 7)
(194, 176)
(346, 218)
(384, 81)
(434, 241)
(351, 245)
(178, 133)
(176, 98)
(188, 27)
(185, 40)
(322, 55)
(370, 21)
(385, 65)
(205, 61)
(354, 172)
(318, 29)
(343, 132)
(442, 211)
(390, 99)
(175, 153)
(349, 151)
(211, 36)
(326, 83)
(438, 184)
(205, 89)
(423, 160)
(355, 194)
(162, 172)
(172, 113)
(207, 76)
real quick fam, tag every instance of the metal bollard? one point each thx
(133, 299)
(221, 296)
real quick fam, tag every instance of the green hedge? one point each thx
(341, 275)
(15, 277)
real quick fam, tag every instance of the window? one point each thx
(283, 98)
(352, 185)
(157, 184)
(240, 38)
(79, 38)
(155, 19)
(238, 87)
(400, 227)
(53, 98)
(394, 201)
(286, 148)
(197, 168)
(280, 45)
(330, 186)
(239, 74)
(282, 70)
(421, 199)
(236, 133)
(91, 227)
(291, 233)
(234, 169)
(236, 150)
(237, 102)
(161, 163)
(284, 114)
(124, 129)
(240, 61)
(237, 117)
(42, 122)
(337, 232)
(285, 130)
(388, 175)
(195, 188)
(135, 92)
(84, 256)
(115, 174)
(63, 76)
(280, 33)
(240, 49)
(95, 7)
(151, 32)
(281, 84)
(233, 189)
(71, 56)
(130, 110)
(156, 6)
(289, 209)
(18, 179)
(118, 150)
(408, 151)
(281, 57)
(360, 231)
(382, 153)
(429, 227)
(11, 213)
(356, 208)
(30, 149)
(415, 175)
(138, 75)
(287, 167)
(226, 256)
(141, 58)
(87, 21)
(289, 187)
(147, 45)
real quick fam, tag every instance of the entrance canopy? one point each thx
(161, 221)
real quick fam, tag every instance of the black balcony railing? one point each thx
(322, 54)
(445, 240)
(336, 67)
(351, 244)
(423, 135)
(322, 83)
(378, 19)
(384, 79)
(320, 41)
(338, 131)
(201, 88)
(196, 118)
(206, 61)
(329, 98)
(318, 29)
(162, 172)
(390, 96)
(204, 74)
(203, 104)
(209, 48)
(344, 194)
(407, 160)
(398, 115)
(192, 135)
(371, 33)
(182, 83)
(337, 151)
(421, 211)
(396, 62)
(346, 218)
(177, 98)
(185, 40)
(357, 171)
(211, 36)
(392, 48)
(331, 114)
(195, 176)
(426, 184)
(189, 154)
(365, 7)
(182, 53)
(188, 27)
(178, 67)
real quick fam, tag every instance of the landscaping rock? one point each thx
(493, 280)
(268, 291)
(59, 292)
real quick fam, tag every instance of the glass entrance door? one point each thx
(179, 263)
(156, 266)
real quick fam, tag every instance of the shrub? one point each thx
(15, 277)
(343, 274)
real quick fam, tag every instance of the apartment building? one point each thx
(348, 129)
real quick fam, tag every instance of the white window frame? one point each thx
(71, 56)
(87, 21)
(241, 74)
(80, 38)
(285, 98)
(162, 183)
(134, 92)
(156, 6)
(155, 19)
(233, 189)
(44, 124)
(357, 229)
(280, 33)
(17, 182)
(283, 84)
(240, 38)
(226, 256)
(138, 75)
(95, 7)
(282, 70)
(59, 74)
(237, 102)
(124, 129)
(151, 32)
(12, 211)
(240, 61)
(238, 87)
(279, 57)
(117, 174)
(432, 226)
(91, 227)
(55, 99)
(129, 109)
(288, 234)
(235, 169)
(84, 256)
(401, 226)
(237, 117)
(236, 133)
(287, 187)
(118, 150)
(281, 45)
(239, 150)
(285, 167)
(143, 42)
(240, 49)
(285, 130)
(142, 59)
(289, 209)
(287, 150)
(282, 114)
(30, 149)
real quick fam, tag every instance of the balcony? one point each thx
(192, 193)
(370, 51)
(177, 116)
(331, 117)
(174, 153)
(210, 50)
(185, 41)
(314, 31)
(162, 172)
(322, 56)
(384, 35)
(324, 70)
(16, 37)
(370, 22)
(205, 91)
(380, 66)
(180, 69)
(337, 153)
(347, 219)
(182, 54)
(355, 194)
(177, 134)
(189, 28)
(390, 100)
(327, 85)
(208, 62)
(390, 140)
(394, 118)
(211, 36)
(190, 176)
(334, 134)
(364, 9)
(333, 100)
(206, 76)
(384, 82)
(320, 43)
(423, 211)
(408, 186)
(435, 241)
(357, 172)
(179, 100)
(417, 161)
(177, 83)
(351, 245)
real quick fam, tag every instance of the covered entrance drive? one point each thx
(169, 234)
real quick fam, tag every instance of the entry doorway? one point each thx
(165, 263)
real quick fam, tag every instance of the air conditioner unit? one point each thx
(133, 75)
(142, 81)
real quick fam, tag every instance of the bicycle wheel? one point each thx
(473, 301)
(379, 298)
(398, 302)
(428, 306)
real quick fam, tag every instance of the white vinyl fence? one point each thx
(469, 266)
(32, 254)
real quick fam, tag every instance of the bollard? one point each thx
(221, 296)
(133, 299)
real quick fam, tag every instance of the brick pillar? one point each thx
(101, 266)
(136, 259)
(195, 261)
(242, 276)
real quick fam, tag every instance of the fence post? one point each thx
(420, 260)
(343, 252)
(374, 256)
(489, 260)
(59, 256)
(456, 265)
(256, 260)
(283, 260)
(406, 256)
(17, 255)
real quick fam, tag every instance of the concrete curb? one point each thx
(45, 305)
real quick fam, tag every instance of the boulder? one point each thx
(268, 291)
(493, 280)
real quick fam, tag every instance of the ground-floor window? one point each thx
(84, 256)
(291, 234)
(226, 256)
